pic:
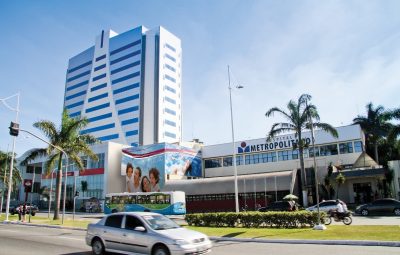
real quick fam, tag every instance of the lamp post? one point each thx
(233, 143)
(51, 191)
(13, 150)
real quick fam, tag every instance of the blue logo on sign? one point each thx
(243, 148)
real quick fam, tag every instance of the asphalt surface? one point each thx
(29, 240)
(357, 220)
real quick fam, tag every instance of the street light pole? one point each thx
(233, 143)
(12, 155)
(51, 191)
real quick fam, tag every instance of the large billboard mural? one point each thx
(145, 167)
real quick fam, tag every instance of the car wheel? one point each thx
(33, 214)
(397, 211)
(364, 212)
(97, 247)
(160, 250)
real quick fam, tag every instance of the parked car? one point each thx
(34, 208)
(145, 233)
(279, 206)
(327, 206)
(385, 206)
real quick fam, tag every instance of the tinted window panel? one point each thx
(114, 221)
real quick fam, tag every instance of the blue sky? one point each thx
(344, 53)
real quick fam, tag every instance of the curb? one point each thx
(249, 240)
(297, 241)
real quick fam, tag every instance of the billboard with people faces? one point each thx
(145, 167)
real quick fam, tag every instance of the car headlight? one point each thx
(181, 242)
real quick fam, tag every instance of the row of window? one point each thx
(228, 196)
(139, 199)
(256, 158)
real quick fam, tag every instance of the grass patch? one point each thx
(77, 223)
(376, 233)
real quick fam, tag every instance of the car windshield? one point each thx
(160, 222)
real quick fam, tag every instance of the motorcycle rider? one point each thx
(340, 209)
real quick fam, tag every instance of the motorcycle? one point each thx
(344, 217)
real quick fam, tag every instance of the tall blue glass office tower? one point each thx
(128, 86)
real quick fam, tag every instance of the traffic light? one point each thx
(14, 128)
(77, 193)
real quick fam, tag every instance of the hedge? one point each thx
(255, 219)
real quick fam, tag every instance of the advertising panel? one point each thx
(145, 167)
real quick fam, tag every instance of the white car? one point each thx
(326, 206)
(144, 233)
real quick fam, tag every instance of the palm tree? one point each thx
(375, 125)
(298, 119)
(5, 160)
(69, 139)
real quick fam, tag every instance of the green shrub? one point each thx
(255, 219)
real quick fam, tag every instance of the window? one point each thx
(98, 87)
(169, 134)
(97, 68)
(126, 99)
(127, 77)
(227, 161)
(108, 137)
(170, 68)
(346, 148)
(101, 57)
(114, 221)
(136, 63)
(171, 123)
(77, 85)
(170, 100)
(132, 222)
(295, 154)
(168, 88)
(212, 163)
(124, 57)
(79, 67)
(170, 57)
(170, 78)
(170, 111)
(358, 146)
(239, 160)
(311, 152)
(170, 47)
(328, 150)
(98, 107)
(125, 47)
(99, 128)
(284, 155)
(268, 157)
(129, 87)
(78, 76)
(98, 97)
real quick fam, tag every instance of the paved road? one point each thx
(21, 240)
